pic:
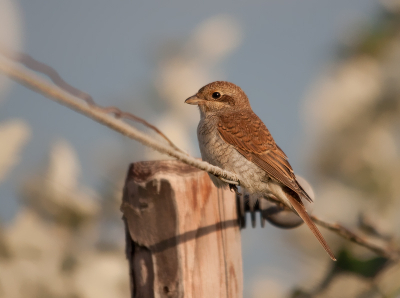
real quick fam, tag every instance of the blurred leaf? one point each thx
(376, 38)
(348, 262)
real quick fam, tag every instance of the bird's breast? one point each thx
(212, 147)
(217, 152)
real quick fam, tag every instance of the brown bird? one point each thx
(232, 137)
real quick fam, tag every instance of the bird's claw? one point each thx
(230, 182)
(232, 185)
(234, 188)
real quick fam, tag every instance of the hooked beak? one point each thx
(194, 100)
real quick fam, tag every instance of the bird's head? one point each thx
(219, 97)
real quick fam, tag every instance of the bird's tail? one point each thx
(301, 211)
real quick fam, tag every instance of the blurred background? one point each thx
(324, 76)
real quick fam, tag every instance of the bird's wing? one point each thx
(252, 139)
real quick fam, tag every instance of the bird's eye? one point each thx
(216, 95)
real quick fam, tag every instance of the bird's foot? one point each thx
(234, 188)
(228, 181)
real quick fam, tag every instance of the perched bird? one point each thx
(232, 137)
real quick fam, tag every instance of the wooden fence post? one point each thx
(182, 233)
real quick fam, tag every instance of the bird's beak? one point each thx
(194, 100)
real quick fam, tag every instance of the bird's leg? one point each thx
(234, 183)
(234, 188)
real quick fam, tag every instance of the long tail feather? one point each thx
(301, 211)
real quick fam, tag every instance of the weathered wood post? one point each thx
(182, 233)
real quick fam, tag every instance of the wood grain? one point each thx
(183, 237)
